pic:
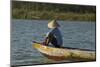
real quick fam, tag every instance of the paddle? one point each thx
(43, 43)
(36, 42)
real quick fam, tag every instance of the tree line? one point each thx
(23, 8)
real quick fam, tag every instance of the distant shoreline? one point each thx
(50, 20)
(60, 16)
(38, 11)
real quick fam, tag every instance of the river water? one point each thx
(76, 34)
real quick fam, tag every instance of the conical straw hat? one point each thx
(53, 24)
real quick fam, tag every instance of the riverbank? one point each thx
(45, 11)
(51, 15)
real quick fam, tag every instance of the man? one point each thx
(54, 35)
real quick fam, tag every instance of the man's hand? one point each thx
(44, 43)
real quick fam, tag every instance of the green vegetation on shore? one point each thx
(36, 10)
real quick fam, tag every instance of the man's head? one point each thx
(53, 24)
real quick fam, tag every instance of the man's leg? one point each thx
(54, 43)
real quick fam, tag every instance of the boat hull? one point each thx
(59, 54)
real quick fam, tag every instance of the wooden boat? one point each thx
(59, 54)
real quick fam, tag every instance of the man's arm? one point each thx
(46, 42)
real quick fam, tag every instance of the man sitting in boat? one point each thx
(54, 35)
